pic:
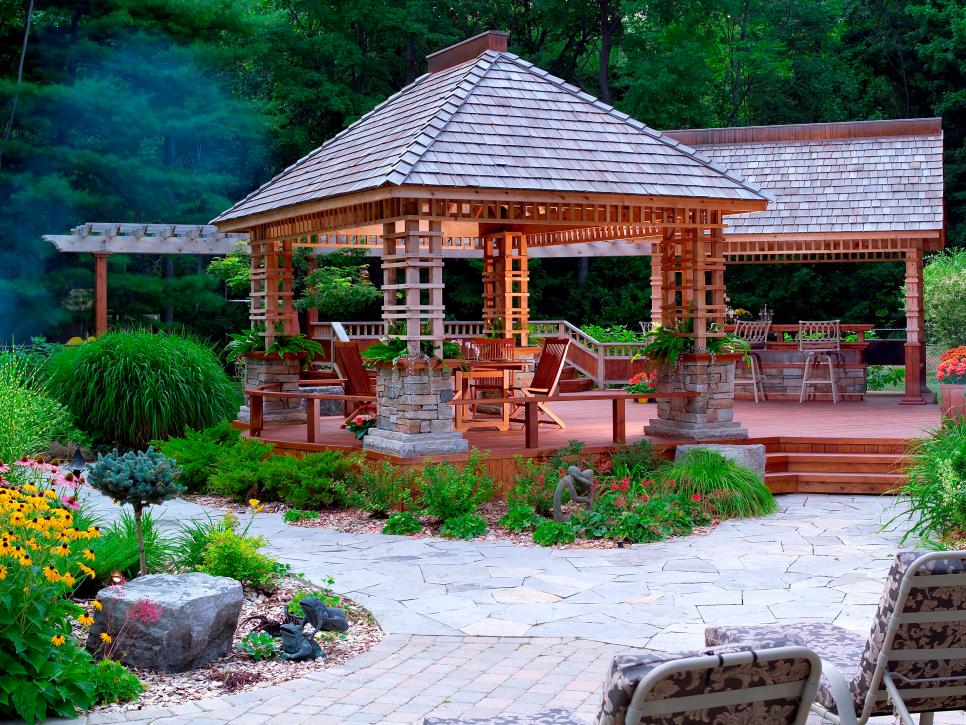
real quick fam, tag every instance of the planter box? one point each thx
(953, 400)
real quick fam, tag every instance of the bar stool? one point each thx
(755, 333)
(821, 341)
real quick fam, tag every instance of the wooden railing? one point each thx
(606, 363)
(313, 408)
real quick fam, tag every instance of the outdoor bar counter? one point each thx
(782, 365)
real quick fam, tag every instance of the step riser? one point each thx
(835, 467)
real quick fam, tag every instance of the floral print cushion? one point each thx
(627, 671)
(547, 717)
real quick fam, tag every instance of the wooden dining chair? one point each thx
(476, 383)
(546, 381)
(348, 360)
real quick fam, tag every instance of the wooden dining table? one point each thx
(492, 370)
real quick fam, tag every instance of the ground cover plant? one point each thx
(130, 387)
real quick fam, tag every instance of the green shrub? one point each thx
(447, 491)
(239, 472)
(131, 387)
(330, 599)
(734, 490)
(936, 487)
(464, 526)
(636, 460)
(382, 488)
(534, 484)
(294, 516)
(117, 547)
(197, 453)
(944, 289)
(259, 646)
(402, 523)
(553, 533)
(520, 518)
(229, 553)
(30, 418)
(188, 548)
(113, 683)
(315, 481)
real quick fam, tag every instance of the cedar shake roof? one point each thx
(867, 176)
(497, 122)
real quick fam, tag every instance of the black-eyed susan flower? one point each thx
(86, 570)
(88, 554)
(32, 543)
(25, 561)
(106, 638)
(51, 574)
(61, 550)
(86, 620)
(97, 605)
(50, 493)
(57, 640)
(3, 573)
(93, 532)
(68, 579)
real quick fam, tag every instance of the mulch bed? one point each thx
(236, 671)
(358, 521)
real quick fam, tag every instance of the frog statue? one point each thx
(296, 646)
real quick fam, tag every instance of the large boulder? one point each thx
(750, 456)
(168, 622)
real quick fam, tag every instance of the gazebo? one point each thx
(486, 150)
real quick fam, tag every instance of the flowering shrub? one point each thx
(44, 554)
(361, 424)
(951, 369)
(643, 383)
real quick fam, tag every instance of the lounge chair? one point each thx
(348, 361)
(723, 686)
(914, 659)
(546, 381)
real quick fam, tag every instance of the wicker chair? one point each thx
(756, 335)
(357, 380)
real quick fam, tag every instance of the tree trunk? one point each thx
(16, 89)
(138, 510)
(583, 269)
(610, 20)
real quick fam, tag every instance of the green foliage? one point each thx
(448, 492)
(198, 452)
(944, 278)
(936, 488)
(235, 270)
(239, 472)
(117, 547)
(114, 683)
(885, 377)
(734, 490)
(383, 487)
(227, 553)
(188, 548)
(464, 526)
(259, 646)
(131, 387)
(636, 460)
(137, 479)
(553, 533)
(519, 518)
(402, 523)
(338, 291)
(612, 333)
(294, 516)
(330, 599)
(315, 481)
(287, 346)
(534, 484)
(30, 418)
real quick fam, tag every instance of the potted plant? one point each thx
(643, 384)
(667, 345)
(251, 343)
(951, 373)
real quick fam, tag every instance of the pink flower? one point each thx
(146, 611)
(696, 497)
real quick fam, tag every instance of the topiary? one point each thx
(138, 479)
(130, 387)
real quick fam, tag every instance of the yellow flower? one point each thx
(32, 543)
(29, 488)
(86, 570)
(51, 574)
(93, 532)
(26, 560)
(61, 550)
(86, 619)
(97, 605)
(253, 502)
(57, 639)
(17, 518)
(88, 554)
(50, 493)
(3, 573)
(105, 638)
(68, 579)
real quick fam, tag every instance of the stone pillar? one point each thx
(414, 415)
(709, 415)
(282, 372)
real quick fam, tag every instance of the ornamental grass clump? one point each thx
(734, 490)
(45, 553)
(139, 480)
(130, 387)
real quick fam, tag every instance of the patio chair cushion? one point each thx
(626, 672)
(546, 717)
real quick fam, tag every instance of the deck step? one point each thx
(819, 482)
(857, 466)
(836, 462)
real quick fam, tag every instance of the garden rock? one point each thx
(750, 456)
(196, 622)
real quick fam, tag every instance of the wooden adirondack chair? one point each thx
(357, 380)
(546, 380)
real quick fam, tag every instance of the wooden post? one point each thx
(657, 284)
(506, 278)
(619, 421)
(100, 293)
(915, 325)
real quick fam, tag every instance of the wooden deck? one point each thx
(849, 447)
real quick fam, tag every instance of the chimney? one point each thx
(467, 50)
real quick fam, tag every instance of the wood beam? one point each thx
(100, 293)
(915, 347)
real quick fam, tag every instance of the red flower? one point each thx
(696, 497)
(359, 420)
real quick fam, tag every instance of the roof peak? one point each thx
(468, 49)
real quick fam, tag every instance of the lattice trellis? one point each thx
(412, 265)
(272, 302)
(506, 279)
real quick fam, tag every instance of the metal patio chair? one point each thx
(821, 341)
(755, 333)
(914, 659)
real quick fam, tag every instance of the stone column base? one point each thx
(414, 444)
(695, 431)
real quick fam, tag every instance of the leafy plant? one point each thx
(198, 452)
(520, 518)
(360, 425)
(402, 523)
(294, 516)
(884, 377)
(612, 333)
(944, 282)
(230, 554)
(642, 384)
(734, 490)
(234, 269)
(138, 480)
(259, 646)
(239, 472)
(666, 345)
(383, 487)
(534, 484)
(330, 599)
(114, 683)
(315, 481)
(337, 291)
(117, 547)
(464, 526)
(290, 346)
(553, 533)
(448, 492)
(132, 387)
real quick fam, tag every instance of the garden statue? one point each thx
(323, 618)
(296, 647)
(580, 485)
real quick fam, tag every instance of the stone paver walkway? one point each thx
(482, 628)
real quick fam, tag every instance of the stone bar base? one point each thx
(710, 415)
(415, 417)
(283, 371)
